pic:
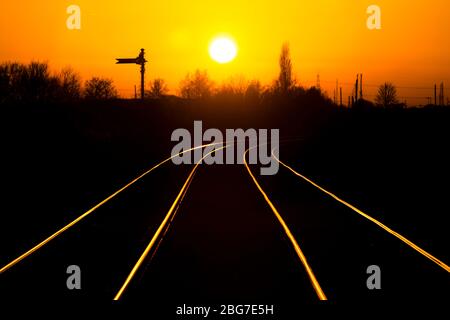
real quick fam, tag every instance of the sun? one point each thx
(223, 50)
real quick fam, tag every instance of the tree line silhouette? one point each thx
(34, 82)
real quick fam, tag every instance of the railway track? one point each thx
(156, 239)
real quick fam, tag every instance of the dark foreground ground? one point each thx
(225, 245)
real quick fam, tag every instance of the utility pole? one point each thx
(318, 82)
(356, 88)
(340, 94)
(337, 90)
(439, 97)
(361, 87)
(135, 92)
(435, 94)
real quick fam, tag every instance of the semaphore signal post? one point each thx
(140, 60)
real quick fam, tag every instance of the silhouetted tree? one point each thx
(100, 89)
(5, 82)
(158, 89)
(70, 84)
(234, 87)
(196, 86)
(34, 83)
(285, 80)
(387, 95)
(27, 83)
(254, 90)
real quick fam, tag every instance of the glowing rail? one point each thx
(378, 223)
(168, 218)
(320, 294)
(84, 215)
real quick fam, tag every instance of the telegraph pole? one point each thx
(361, 87)
(435, 94)
(337, 90)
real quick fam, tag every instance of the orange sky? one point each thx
(329, 37)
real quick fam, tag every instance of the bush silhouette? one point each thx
(158, 89)
(196, 86)
(100, 89)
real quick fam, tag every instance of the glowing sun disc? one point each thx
(223, 50)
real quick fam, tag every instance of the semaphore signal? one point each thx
(140, 60)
